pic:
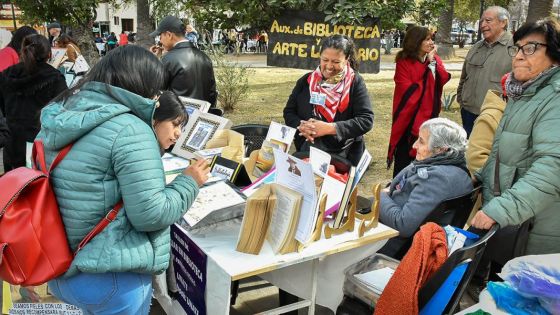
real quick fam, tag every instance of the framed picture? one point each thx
(58, 56)
(224, 168)
(192, 104)
(203, 130)
(199, 129)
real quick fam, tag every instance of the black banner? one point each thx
(295, 37)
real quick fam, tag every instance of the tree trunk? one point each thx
(145, 24)
(539, 9)
(443, 37)
(83, 35)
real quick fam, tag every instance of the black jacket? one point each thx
(190, 73)
(23, 95)
(4, 131)
(351, 124)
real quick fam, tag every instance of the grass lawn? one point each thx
(270, 88)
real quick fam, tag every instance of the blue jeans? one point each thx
(468, 119)
(106, 293)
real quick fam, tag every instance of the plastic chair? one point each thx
(254, 136)
(454, 212)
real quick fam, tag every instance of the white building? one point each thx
(117, 20)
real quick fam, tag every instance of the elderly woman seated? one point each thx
(438, 173)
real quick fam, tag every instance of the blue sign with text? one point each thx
(190, 271)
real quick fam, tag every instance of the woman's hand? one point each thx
(156, 50)
(314, 128)
(432, 53)
(482, 221)
(198, 171)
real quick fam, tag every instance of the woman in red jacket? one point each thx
(419, 80)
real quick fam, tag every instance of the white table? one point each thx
(316, 274)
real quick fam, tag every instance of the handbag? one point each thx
(33, 244)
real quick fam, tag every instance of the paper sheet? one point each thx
(376, 279)
(298, 175)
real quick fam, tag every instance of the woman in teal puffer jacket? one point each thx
(115, 155)
(521, 178)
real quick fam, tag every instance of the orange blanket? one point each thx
(427, 253)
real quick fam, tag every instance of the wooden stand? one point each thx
(348, 226)
(371, 219)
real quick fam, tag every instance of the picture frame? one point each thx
(192, 104)
(200, 128)
(224, 168)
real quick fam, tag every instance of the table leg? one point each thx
(314, 273)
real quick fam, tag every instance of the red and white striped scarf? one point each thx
(338, 96)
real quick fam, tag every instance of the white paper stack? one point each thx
(376, 280)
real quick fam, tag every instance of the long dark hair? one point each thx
(129, 67)
(170, 108)
(35, 49)
(412, 41)
(344, 44)
(549, 28)
(18, 37)
(65, 39)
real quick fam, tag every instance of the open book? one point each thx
(271, 213)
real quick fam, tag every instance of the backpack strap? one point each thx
(110, 217)
(38, 156)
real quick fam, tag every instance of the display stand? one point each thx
(371, 219)
(348, 226)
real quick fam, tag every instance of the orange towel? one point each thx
(427, 253)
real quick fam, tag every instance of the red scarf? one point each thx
(338, 96)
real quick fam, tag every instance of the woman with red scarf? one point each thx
(330, 106)
(419, 80)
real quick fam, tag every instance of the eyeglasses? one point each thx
(527, 49)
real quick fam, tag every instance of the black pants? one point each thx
(468, 119)
(402, 158)
(14, 151)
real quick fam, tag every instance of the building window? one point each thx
(116, 20)
(127, 25)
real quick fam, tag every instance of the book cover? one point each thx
(216, 202)
(224, 168)
(343, 209)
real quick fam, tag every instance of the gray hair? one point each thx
(445, 134)
(501, 13)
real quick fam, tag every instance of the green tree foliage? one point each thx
(428, 11)
(77, 14)
(468, 11)
(259, 13)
